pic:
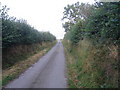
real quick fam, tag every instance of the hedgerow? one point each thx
(19, 32)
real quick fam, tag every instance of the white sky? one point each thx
(44, 15)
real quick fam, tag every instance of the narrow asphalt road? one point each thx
(48, 72)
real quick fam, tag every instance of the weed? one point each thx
(91, 66)
(7, 79)
(20, 66)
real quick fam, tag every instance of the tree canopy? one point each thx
(100, 21)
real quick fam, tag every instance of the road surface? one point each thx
(48, 72)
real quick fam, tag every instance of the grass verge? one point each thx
(14, 71)
(91, 66)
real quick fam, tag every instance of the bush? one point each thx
(18, 32)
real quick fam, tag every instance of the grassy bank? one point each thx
(19, 67)
(91, 66)
(20, 52)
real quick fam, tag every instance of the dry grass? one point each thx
(92, 66)
(19, 67)
(20, 52)
(22, 65)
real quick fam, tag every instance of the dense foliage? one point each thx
(91, 43)
(20, 40)
(76, 33)
(75, 12)
(18, 32)
(100, 21)
(105, 21)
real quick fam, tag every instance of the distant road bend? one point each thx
(48, 72)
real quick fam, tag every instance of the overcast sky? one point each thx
(44, 15)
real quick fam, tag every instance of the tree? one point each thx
(73, 13)
(105, 20)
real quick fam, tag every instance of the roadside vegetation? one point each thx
(91, 43)
(19, 67)
(22, 45)
(19, 39)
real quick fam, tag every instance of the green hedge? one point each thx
(17, 32)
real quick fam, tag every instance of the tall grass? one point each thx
(91, 66)
(20, 66)
(20, 52)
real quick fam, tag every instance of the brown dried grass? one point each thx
(20, 66)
